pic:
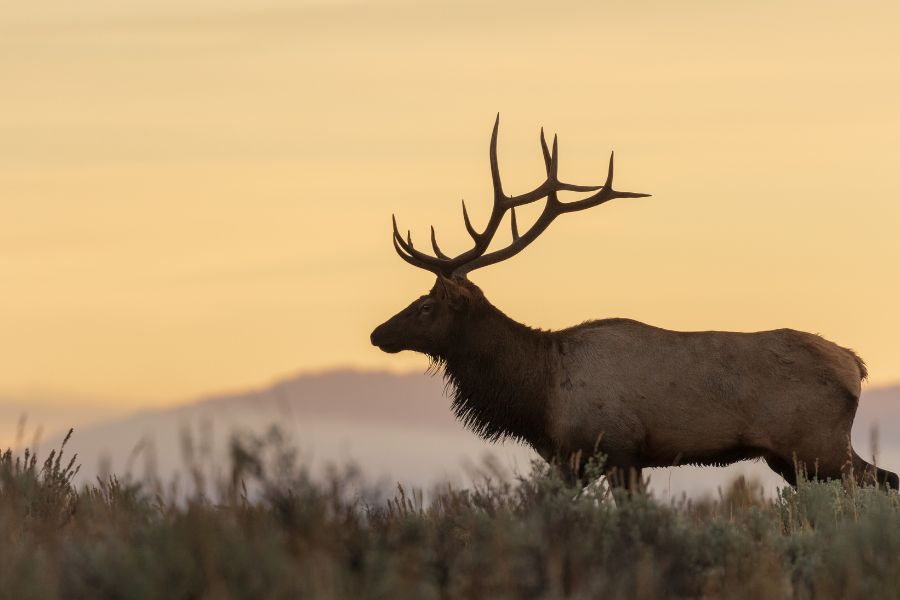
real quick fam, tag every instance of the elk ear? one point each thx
(460, 299)
(457, 296)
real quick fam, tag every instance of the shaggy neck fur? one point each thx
(500, 376)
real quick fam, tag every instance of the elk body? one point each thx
(640, 395)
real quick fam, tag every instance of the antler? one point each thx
(475, 257)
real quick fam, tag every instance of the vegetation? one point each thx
(271, 531)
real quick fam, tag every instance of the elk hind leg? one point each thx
(841, 466)
(866, 474)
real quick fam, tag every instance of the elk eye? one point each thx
(426, 308)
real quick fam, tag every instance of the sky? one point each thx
(196, 195)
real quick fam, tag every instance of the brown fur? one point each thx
(643, 396)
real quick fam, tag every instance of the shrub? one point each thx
(273, 531)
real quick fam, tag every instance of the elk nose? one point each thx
(376, 333)
(385, 339)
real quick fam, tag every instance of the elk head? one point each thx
(432, 322)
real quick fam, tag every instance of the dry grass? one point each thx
(274, 532)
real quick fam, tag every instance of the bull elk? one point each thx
(640, 395)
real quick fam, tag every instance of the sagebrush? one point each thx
(271, 530)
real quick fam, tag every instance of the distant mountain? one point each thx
(395, 427)
(879, 410)
(371, 397)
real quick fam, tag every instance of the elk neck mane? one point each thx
(499, 374)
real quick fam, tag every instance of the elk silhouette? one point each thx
(640, 395)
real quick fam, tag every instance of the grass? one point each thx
(271, 531)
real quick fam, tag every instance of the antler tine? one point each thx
(475, 235)
(513, 225)
(606, 193)
(434, 245)
(398, 239)
(545, 151)
(407, 257)
(609, 171)
(397, 235)
(550, 159)
(554, 161)
(419, 259)
(495, 165)
(552, 183)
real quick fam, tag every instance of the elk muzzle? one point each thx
(383, 337)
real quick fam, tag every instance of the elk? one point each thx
(639, 395)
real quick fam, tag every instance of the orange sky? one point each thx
(196, 195)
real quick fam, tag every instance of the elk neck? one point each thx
(499, 372)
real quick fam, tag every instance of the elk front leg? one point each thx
(624, 472)
(621, 472)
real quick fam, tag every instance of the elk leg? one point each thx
(634, 481)
(888, 479)
(867, 473)
(572, 474)
(624, 476)
(838, 467)
(784, 468)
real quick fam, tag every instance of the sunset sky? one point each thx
(196, 195)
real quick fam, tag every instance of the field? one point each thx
(266, 529)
